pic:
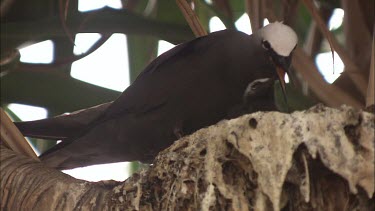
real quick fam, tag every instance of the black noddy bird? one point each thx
(193, 85)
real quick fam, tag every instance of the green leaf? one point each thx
(141, 51)
(238, 8)
(53, 91)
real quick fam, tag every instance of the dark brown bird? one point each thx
(192, 86)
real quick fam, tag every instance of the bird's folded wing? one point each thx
(157, 81)
(62, 126)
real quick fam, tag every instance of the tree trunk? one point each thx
(319, 159)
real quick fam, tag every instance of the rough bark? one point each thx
(319, 159)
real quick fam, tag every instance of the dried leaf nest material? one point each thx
(319, 159)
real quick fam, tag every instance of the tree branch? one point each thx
(29, 185)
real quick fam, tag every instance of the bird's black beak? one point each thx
(282, 66)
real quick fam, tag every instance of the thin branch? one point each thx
(313, 40)
(290, 8)
(12, 137)
(371, 87)
(312, 43)
(329, 94)
(191, 18)
(255, 12)
(63, 14)
(51, 67)
(69, 60)
(351, 68)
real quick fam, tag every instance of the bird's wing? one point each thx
(62, 126)
(156, 82)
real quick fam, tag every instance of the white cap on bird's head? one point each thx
(281, 38)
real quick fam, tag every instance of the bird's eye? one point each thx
(266, 45)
